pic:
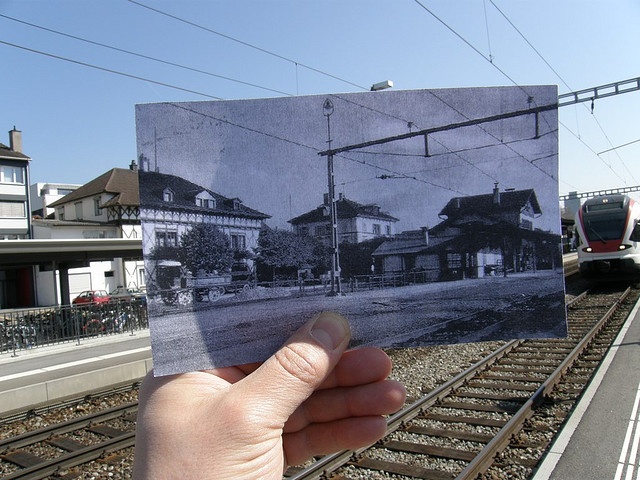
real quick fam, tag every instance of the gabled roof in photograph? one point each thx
(413, 241)
(490, 203)
(7, 153)
(121, 182)
(345, 208)
(154, 184)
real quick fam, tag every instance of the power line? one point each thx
(498, 68)
(530, 44)
(561, 79)
(619, 146)
(108, 70)
(246, 44)
(140, 55)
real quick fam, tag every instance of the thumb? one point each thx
(291, 375)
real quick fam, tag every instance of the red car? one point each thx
(91, 296)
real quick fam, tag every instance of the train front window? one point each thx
(610, 228)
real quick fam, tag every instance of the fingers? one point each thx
(324, 438)
(380, 398)
(357, 367)
(291, 375)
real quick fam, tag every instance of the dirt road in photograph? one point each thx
(519, 306)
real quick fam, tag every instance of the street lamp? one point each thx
(336, 287)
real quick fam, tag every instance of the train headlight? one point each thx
(622, 247)
(588, 249)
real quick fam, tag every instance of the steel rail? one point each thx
(481, 463)
(29, 438)
(322, 467)
(73, 459)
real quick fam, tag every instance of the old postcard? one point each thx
(425, 217)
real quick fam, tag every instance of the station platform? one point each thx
(42, 375)
(601, 438)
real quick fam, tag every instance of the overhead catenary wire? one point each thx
(470, 45)
(218, 98)
(108, 70)
(198, 70)
(562, 80)
(141, 55)
(247, 44)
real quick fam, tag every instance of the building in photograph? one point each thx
(480, 235)
(171, 205)
(107, 207)
(16, 284)
(356, 222)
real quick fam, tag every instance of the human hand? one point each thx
(252, 421)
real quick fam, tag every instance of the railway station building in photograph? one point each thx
(480, 235)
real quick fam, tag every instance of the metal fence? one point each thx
(38, 327)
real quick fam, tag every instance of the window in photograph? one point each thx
(238, 242)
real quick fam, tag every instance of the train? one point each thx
(608, 237)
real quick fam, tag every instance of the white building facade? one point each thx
(106, 207)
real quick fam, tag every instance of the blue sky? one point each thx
(79, 121)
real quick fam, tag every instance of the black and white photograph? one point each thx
(423, 216)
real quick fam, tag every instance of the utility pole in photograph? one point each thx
(336, 285)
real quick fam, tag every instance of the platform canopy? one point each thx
(15, 253)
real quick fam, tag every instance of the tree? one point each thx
(205, 247)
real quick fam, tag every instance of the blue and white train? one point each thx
(608, 237)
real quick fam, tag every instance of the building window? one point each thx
(11, 174)
(61, 213)
(303, 231)
(167, 239)
(97, 202)
(167, 195)
(12, 210)
(376, 229)
(238, 242)
(78, 206)
(388, 229)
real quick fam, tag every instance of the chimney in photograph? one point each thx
(134, 166)
(326, 199)
(496, 194)
(425, 234)
(15, 140)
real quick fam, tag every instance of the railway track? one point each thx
(463, 428)
(481, 421)
(53, 451)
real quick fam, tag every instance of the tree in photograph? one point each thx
(281, 249)
(165, 252)
(356, 258)
(205, 247)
